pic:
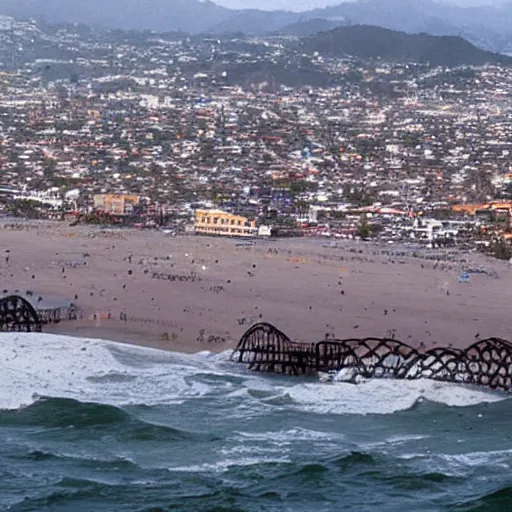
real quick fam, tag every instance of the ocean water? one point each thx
(97, 426)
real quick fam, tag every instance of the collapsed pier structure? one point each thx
(49, 308)
(17, 314)
(265, 348)
(28, 312)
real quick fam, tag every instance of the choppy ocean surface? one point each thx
(96, 426)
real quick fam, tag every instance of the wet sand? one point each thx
(197, 293)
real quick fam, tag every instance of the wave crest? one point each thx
(93, 371)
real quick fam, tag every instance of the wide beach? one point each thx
(196, 293)
(96, 425)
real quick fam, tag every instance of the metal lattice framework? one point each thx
(265, 348)
(487, 362)
(17, 314)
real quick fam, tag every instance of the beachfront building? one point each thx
(218, 222)
(115, 204)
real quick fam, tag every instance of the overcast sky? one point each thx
(302, 5)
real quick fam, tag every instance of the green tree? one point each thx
(363, 230)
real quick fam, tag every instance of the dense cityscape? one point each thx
(255, 260)
(144, 129)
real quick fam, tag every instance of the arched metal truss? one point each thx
(487, 362)
(17, 314)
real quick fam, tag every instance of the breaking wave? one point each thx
(94, 425)
(42, 365)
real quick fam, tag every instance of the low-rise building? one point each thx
(116, 204)
(218, 222)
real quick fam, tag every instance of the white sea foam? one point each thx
(224, 465)
(462, 463)
(294, 434)
(384, 396)
(495, 458)
(34, 365)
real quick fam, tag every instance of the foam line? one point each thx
(35, 365)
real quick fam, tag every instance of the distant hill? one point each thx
(253, 21)
(157, 15)
(409, 16)
(370, 42)
(309, 27)
(489, 27)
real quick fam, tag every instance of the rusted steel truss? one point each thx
(17, 314)
(487, 362)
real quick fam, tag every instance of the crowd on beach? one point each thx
(186, 292)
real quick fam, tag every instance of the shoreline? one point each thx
(190, 294)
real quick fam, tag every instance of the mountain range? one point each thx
(489, 27)
(369, 42)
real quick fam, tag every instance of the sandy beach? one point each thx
(197, 293)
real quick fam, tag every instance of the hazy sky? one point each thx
(302, 5)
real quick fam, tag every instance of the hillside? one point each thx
(369, 42)
(157, 15)
(309, 27)
(486, 26)
(252, 21)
